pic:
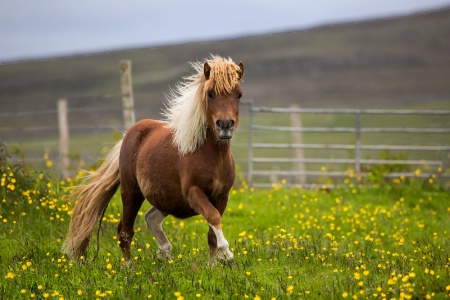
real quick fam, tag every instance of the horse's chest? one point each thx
(218, 187)
(222, 180)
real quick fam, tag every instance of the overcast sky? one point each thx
(35, 29)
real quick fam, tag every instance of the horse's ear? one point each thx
(241, 72)
(206, 70)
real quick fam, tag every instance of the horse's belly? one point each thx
(175, 206)
(166, 196)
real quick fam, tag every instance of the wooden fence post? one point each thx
(127, 93)
(297, 138)
(63, 126)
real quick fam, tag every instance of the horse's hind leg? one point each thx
(154, 219)
(132, 201)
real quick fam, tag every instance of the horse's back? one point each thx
(144, 136)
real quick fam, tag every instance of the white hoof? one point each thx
(127, 263)
(225, 254)
(164, 254)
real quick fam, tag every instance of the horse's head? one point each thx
(223, 96)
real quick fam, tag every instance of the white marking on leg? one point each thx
(223, 247)
(154, 219)
(127, 263)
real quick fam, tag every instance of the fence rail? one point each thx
(352, 130)
(350, 147)
(290, 110)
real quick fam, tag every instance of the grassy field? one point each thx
(382, 242)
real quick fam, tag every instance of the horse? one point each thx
(182, 165)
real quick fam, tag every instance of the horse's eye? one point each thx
(210, 95)
(239, 96)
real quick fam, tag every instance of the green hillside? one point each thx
(393, 63)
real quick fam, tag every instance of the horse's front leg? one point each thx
(218, 246)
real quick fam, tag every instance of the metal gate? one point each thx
(410, 150)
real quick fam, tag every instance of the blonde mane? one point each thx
(188, 103)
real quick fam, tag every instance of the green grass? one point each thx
(384, 241)
(84, 149)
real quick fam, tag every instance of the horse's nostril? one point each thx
(219, 124)
(231, 123)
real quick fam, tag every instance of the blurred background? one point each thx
(312, 54)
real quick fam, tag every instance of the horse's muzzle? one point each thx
(225, 129)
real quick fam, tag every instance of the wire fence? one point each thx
(273, 144)
(31, 135)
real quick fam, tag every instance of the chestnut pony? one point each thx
(183, 166)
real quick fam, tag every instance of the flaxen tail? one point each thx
(91, 198)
